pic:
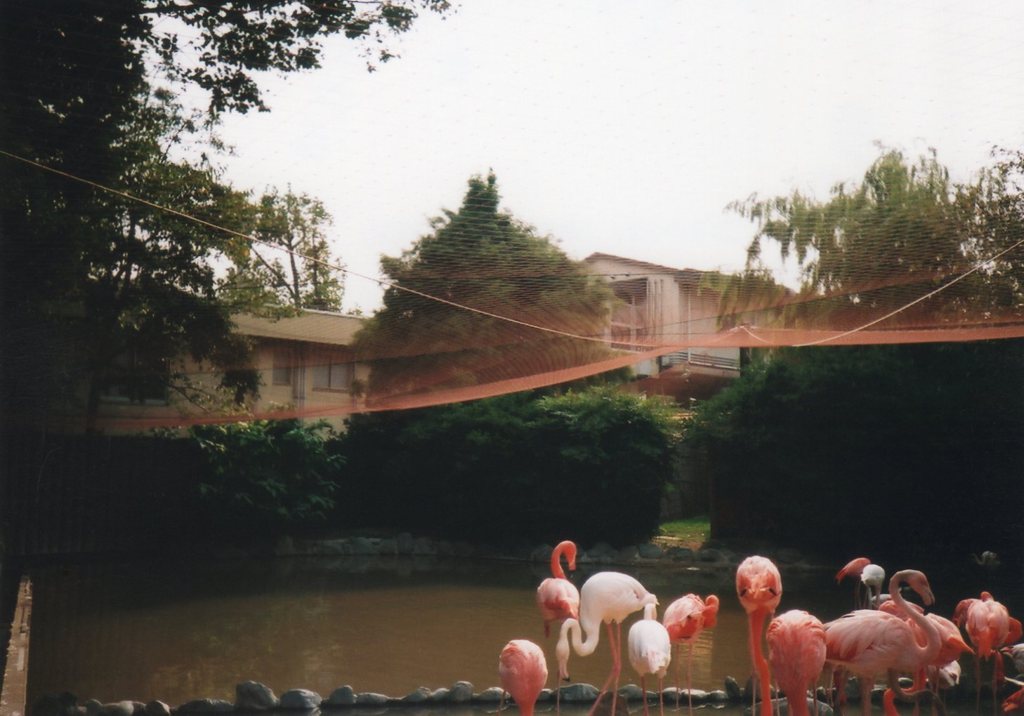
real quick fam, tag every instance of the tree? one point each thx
(301, 274)
(425, 339)
(74, 98)
(872, 247)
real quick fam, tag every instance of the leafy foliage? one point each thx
(904, 231)
(432, 345)
(267, 475)
(301, 274)
(589, 465)
(892, 449)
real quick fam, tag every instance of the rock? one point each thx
(117, 708)
(404, 543)
(717, 696)
(54, 704)
(371, 698)
(781, 707)
(699, 696)
(445, 549)
(156, 708)
(362, 546)
(335, 546)
(285, 547)
(631, 692)
(545, 695)
(788, 556)
(341, 696)
(601, 549)
(300, 700)
(649, 550)
(575, 693)
(418, 696)
(254, 696)
(205, 706)
(680, 554)
(732, 689)
(464, 550)
(710, 554)
(541, 553)
(438, 695)
(424, 547)
(604, 706)
(460, 693)
(627, 554)
(490, 695)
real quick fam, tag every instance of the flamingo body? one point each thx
(557, 597)
(759, 588)
(796, 653)
(523, 671)
(607, 597)
(649, 649)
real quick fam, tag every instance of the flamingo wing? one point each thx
(868, 642)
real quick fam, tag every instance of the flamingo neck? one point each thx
(574, 630)
(927, 652)
(566, 549)
(757, 618)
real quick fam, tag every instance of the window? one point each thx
(283, 364)
(136, 379)
(335, 375)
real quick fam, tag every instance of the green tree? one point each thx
(872, 247)
(291, 266)
(73, 98)
(267, 475)
(424, 339)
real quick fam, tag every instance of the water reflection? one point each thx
(175, 632)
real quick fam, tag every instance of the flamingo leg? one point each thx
(865, 696)
(689, 676)
(612, 676)
(661, 696)
(643, 693)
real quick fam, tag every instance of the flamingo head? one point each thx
(919, 583)
(562, 649)
(710, 611)
(853, 568)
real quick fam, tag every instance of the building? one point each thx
(671, 308)
(305, 364)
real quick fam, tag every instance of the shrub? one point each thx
(267, 475)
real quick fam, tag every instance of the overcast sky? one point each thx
(626, 128)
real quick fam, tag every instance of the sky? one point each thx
(627, 128)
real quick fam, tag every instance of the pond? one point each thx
(176, 631)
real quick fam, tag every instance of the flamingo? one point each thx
(523, 671)
(872, 642)
(759, 588)
(1015, 701)
(650, 652)
(989, 627)
(607, 597)
(685, 619)
(871, 577)
(796, 653)
(557, 597)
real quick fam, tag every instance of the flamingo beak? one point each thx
(959, 644)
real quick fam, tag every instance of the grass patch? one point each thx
(691, 532)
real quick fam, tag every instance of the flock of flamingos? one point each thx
(886, 638)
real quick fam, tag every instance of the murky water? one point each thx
(175, 632)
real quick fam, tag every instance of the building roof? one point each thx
(686, 275)
(310, 326)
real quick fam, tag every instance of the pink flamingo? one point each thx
(871, 642)
(796, 652)
(871, 577)
(523, 671)
(944, 670)
(607, 597)
(759, 588)
(650, 652)
(685, 619)
(989, 627)
(557, 597)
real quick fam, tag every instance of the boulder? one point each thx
(341, 696)
(649, 550)
(254, 696)
(371, 698)
(300, 700)
(576, 693)
(461, 692)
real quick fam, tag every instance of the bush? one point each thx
(588, 465)
(267, 475)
